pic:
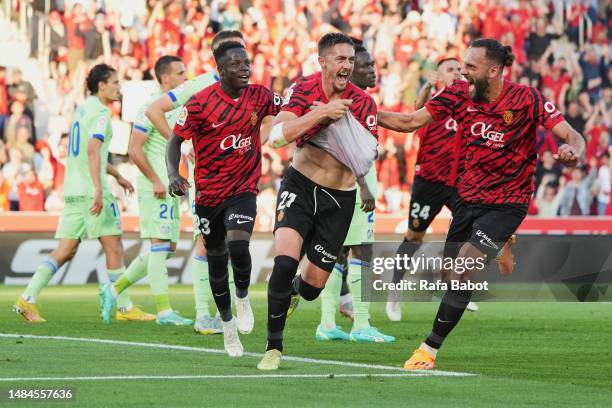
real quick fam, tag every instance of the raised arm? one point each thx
(404, 122)
(572, 151)
(156, 112)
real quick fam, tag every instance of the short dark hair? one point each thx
(331, 39)
(224, 48)
(443, 60)
(495, 51)
(358, 45)
(162, 65)
(99, 73)
(225, 35)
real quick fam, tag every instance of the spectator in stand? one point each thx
(13, 172)
(31, 193)
(603, 184)
(547, 169)
(547, 199)
(44, 165)
(539, 40)
(17, 119)
(4, 106)
(23, 145)
(5, 187)
(593, 71)
(23, 91)
(577, 194)
(76, 22)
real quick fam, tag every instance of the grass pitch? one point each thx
(521, 354)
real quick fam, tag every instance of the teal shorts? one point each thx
(159, 219)
(361, 229)
(362, 225)
(76, 219)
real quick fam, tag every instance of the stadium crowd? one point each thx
(407, 38)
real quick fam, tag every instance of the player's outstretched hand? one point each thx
(96, 206)
(127, 187)
(159, 190)
(368, 202)
(567, 155)
(178, 186)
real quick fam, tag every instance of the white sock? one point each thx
(347, 298)
(432, 351)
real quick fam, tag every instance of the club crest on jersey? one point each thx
(253, 118)
(182, 117)
(508, 116)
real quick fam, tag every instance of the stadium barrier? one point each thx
(26, 238)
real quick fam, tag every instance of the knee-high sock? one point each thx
(279, 298)
(219, 284)
(360, 306)
(41, 278)
(201, 286)
(330, 297)
(241, 264)
(158, 275)
(134, 272)
(123, 299)
(406, 248)
(449, 313)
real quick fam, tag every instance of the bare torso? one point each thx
(322, 168)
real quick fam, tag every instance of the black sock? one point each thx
(279, 298)
(345, 289)
(241, 264)
(407, 248)
(305, 289)
(219, 285)
(449, 313)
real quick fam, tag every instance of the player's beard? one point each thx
(481, 86)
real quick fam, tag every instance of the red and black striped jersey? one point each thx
(305, 91)
(226, 139)
(498, 140)
(438, 156)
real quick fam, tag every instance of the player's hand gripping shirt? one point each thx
(91, 120)
(226, 139)
(351, 140)
(498, 140)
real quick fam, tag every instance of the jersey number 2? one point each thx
(423, 214)
(287, 199)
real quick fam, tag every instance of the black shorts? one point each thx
(486, 226)
(235, 213)
(426, 201)
(321, 216)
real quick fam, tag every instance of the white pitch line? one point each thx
(249, 354)
(209, 377)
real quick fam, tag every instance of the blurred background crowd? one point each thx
(562, 48)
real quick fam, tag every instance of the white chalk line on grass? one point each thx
(432, 373)
(210, 377)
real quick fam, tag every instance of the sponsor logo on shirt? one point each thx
(451, 124)
(236, 142)
(486, 132)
